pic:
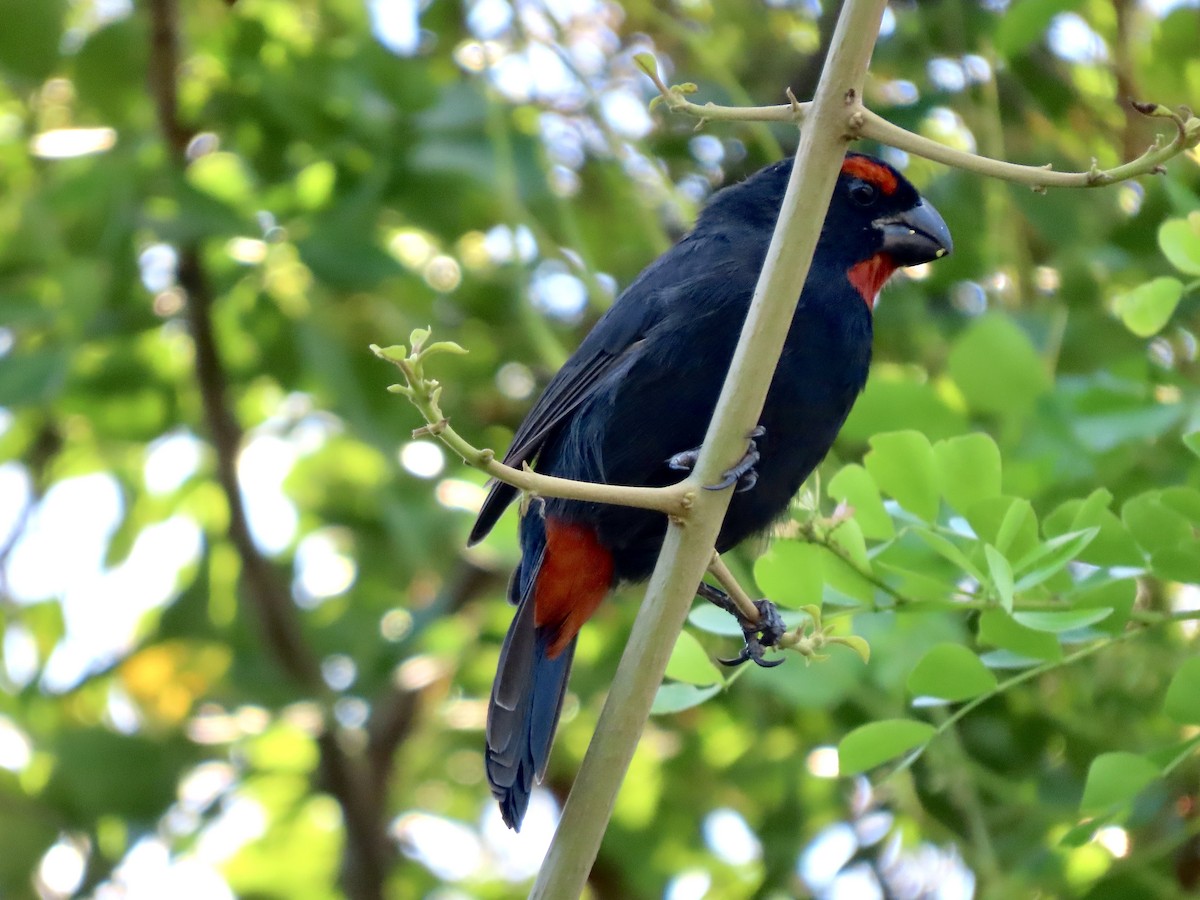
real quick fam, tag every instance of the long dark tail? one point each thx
(530, 684)
(564, 574)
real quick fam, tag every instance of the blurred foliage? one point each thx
(1009, 519)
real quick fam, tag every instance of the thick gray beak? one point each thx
(917, 236)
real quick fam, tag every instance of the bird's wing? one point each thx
(618, 334)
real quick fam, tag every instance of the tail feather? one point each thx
(535, 659)
(527, 699)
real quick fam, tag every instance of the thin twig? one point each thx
(735, 591)
(860, 123)
(424, 393)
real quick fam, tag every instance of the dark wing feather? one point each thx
(618, 333)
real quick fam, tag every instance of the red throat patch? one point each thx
(576, 574)
(869, 170)
(870, 275)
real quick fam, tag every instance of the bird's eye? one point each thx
(862, 193)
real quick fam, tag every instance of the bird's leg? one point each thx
(742, 474)
(762, 626)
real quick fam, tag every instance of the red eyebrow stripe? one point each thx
(868, 170)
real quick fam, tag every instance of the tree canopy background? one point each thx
(208, 212)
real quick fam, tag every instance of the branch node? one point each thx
(431, 430)
(795, 104)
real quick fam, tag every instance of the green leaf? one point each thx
(791, 573)
(1002, 575)
(30, 38)
(315, 183)
(1180, 243)
(996, 368)
(1048, 559)
(110, 69)
(1057, 621)
(845, 575)
(1019, 516)
(876, 742)
(1114, 779)
(999, 629)
(1183, 695)
(1118, 595)
(950, 672)
(947, 549)
(1183, 500)
(857, 644)
(854, 486)
(1181, 563)
(903, 466)
(848, 537)
(1192, 442)
(1112, 546)
(224, 176)
(1101, 432)
(1008, 659)
(1153, 525)
(1083, 832)
(895, 400)
(969, 467)
(1148, 307)
(33, 379)
(1007, 523)
(690, 663)
(675, 697)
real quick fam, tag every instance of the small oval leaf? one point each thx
(1148, 307)
(950, 672)
(1180, 243)
(691, 664)
(1114, 779)
(675, 697)
(1056, 621)
(877, 742)
(1183, 695)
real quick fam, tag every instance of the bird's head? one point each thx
(877, 223)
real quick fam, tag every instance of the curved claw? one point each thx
(748, 654)
(685, 461)
(742, 474)
(765, 633)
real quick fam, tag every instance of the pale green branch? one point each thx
(859, 122)
(425, 394)
(735, 591)
(687, 551)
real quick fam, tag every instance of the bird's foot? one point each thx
(760, 635)
(743, 474)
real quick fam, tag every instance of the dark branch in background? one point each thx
(44, 450)
(277, 613)
(1133, 136)
(346, 776)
